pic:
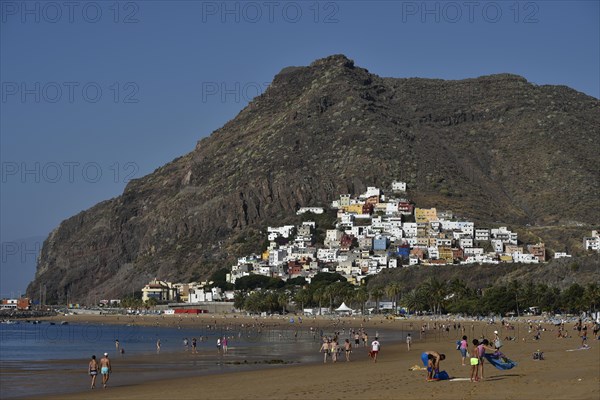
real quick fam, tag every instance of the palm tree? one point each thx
(592, 296)
(377, 294)
(319, 295)
(392, 290)
(437, 292)
(282, 299)
(303, 297)
(361, 295)
(413, 300)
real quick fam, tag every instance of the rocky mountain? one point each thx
(493, 148)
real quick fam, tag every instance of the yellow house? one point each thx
(506, 259)
(265, 255)
(446, 253)
(425, 214)
(354, 208)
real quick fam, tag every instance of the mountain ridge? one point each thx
(493, 148)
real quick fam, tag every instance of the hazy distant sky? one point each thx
(97, 92)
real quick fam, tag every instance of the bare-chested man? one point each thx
(105, 369)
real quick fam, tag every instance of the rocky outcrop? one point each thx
(493, 148)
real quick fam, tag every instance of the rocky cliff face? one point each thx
(493, 148)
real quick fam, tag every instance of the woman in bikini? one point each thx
(93, 371)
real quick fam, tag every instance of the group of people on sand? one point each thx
(104, 367)
(474, 354)
(330, 347)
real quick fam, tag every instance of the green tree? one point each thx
(591, 296)
(361, 295)
(377, 294)
(392, 290)
(238, 300)
(302, 296)
(283, 300)
(436, 292)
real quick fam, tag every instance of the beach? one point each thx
(562, 374)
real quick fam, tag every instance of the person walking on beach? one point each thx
(408, 341)
(347, 349)
(219, 346)
(463, 349)
(117, 344)
(333, 348)
(186, 344)
(224, 342)
(325, 350)
(158, 345)
(93, 370)
(194, 344)
(375, 345)
(105, 369)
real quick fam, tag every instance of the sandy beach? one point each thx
(562, 375)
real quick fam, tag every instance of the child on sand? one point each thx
(475, 361)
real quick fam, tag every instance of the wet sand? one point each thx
(562, 375)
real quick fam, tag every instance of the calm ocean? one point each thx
(56, 352)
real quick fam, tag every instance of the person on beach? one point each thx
(186, 344)
(481, 348)
(105, 369)
(463, 349)
(325, 350)
(117, 344)
(333, 348)
(408, 341)
(93, 370)
(497, 341)
(348, 349)
(431, 360)
(224, 342)
(158, 345)
(475, 361)
(375, 345)
(194, 344)
(584, 336)
(219, 345)
(356, 339)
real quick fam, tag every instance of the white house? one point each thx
(482, 235)
(410, 229)
(525, 258)
(314, 210)
(561, 255)
(398, 186)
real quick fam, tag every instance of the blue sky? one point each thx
(97, 92)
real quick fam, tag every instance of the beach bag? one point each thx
(458, 345)
(442, 376)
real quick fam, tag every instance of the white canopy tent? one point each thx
(343, 309)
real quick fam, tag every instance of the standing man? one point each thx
(105, 369)
(408, 341)
(158, 345)
(375, 349)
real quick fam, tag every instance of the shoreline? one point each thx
(562, 375)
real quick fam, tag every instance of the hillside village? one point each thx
(373, 231)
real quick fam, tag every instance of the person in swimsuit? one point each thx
(93, 370)
(105, 369)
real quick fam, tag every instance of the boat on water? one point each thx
(8, 322)
(64, 323)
